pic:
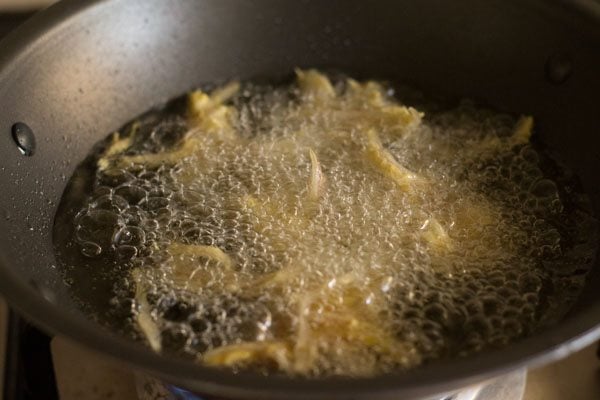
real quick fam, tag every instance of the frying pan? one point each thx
(81, 69)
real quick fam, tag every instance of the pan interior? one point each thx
(239, 228)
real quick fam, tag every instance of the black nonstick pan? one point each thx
(81, 69)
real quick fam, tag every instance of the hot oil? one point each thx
(353, 272)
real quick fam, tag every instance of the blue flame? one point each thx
(182, 394)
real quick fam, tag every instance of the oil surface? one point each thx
(317, 229)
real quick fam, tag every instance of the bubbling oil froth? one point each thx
(352, 275)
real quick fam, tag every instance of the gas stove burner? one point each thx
(507, 387)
